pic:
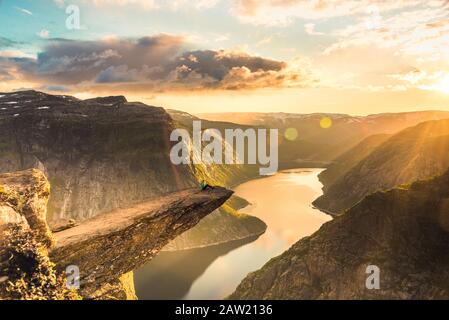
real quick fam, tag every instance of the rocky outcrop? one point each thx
(98, 154)
(222, 226)
(121, 288)
(106, 248)
(415, 153)
(26, 271)
(23, 200)
(115, 243)
(404, 232)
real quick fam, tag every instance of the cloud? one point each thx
(6, 42)
(25, 11)
(284, 12)
(264, 41)
(413, 32)
(384, 49)
(310, 29)
(44, 33)
(156, 63)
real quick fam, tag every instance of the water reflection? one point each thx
(170, 275)
(283, 201)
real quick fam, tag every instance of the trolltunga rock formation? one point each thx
(105, 248)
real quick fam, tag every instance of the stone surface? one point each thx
(106, 248)
(26, 271)
(23, 199)
(115, 243)
(118, 289)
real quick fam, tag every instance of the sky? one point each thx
(202, 56)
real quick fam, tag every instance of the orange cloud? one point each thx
(157, 63)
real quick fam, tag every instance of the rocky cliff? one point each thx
(23, 197)
(99, 154)
(403, 232)
(105, 248)
(419, 152)
(118, 242)
(26, 271)
(106, 153)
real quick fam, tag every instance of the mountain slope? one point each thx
(404, 232)
(415, 153)
(226, 223)
(349, 159)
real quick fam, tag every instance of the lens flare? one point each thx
(291, 134)
(326, 123)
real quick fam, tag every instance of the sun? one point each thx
(442, 85)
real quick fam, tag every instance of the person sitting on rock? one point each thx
(205, 185)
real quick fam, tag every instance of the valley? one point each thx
(182, 152)
(282, 201)
(118, 205)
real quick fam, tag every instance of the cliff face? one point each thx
(226, 223)
(404, 232)
(99, 154)
(415, 153)
(105, 248)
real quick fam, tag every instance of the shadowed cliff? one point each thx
(416, 153)
(404, 232)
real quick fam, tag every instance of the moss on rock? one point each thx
(31, 275)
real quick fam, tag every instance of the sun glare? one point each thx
(442, 85)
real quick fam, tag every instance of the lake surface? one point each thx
(282, 201)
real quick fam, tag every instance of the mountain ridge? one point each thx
(415, 153)
(404, 232)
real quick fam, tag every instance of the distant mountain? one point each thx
(316, 146)
(402, 233)
(419, 152)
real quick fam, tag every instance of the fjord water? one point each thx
(282, 201)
